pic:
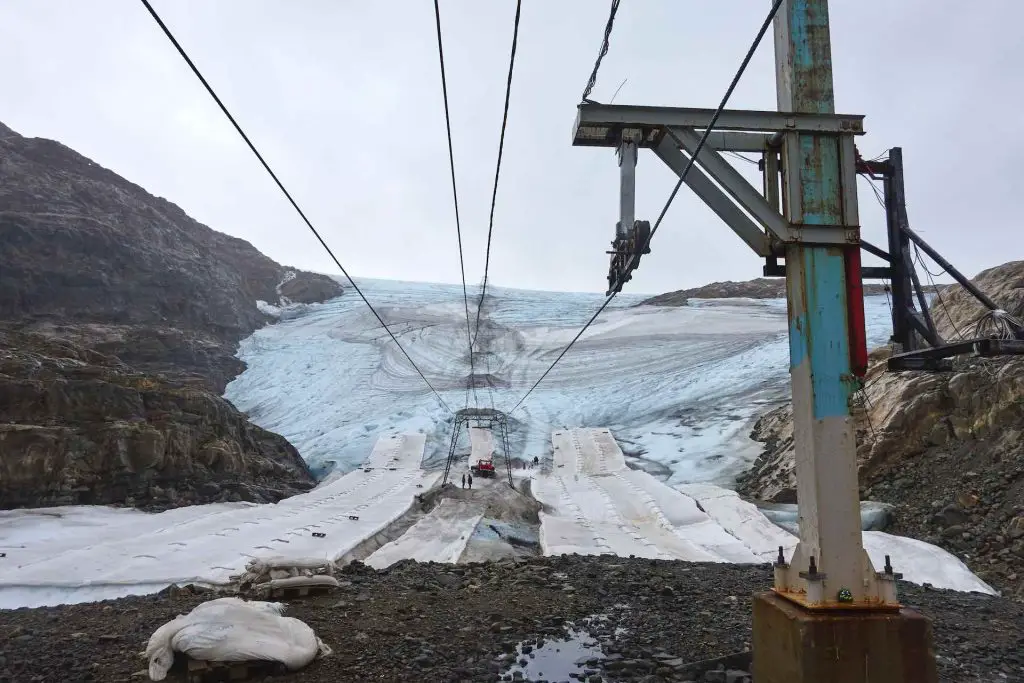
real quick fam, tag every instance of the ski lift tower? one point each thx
(484, 418)
(832, 616)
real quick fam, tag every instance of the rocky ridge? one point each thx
(944, 448)
(759, 288)
(121, 318)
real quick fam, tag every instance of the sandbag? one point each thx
(233, 630)
(259, 571)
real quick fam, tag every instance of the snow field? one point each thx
(919, 562)
(481, 445)
(441, 536)
(595, 505)
(90, 553)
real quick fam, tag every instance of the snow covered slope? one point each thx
(77, 554)
(481, 445)
(595, 505)
(441, 536)
(678, 386)
(919, 562)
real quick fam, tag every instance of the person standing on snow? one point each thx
(470, 480)
(463, 481)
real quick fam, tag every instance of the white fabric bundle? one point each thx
(233, 630)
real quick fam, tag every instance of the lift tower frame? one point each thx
(828, 614)
(486, 418)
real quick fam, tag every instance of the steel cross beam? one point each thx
(600, 125)
(626, 127)
(732, 215)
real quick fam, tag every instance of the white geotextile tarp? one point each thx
(481, 445)
(234, 630)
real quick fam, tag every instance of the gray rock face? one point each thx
(82, 244)
(121, 317)
(759, 288)
(78, 427)
(958, 310)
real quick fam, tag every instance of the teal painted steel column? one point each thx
(819, 337)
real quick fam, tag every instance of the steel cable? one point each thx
(682, 176)
(471, 383)
(497, 170)
(288, 196)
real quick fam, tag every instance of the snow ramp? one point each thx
(88, 553)
(595, 505)
(481, 445)
(440, 536)
(919, 562)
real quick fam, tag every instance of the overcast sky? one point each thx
(344, 99)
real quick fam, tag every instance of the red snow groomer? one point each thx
(483, 468)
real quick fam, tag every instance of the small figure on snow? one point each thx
(470, 481)
(463, 481)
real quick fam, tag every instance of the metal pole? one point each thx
(899, 207)
(956, 274)
(451, 450)
(627, 187)
(830, 558)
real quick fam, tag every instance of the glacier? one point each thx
(672, 392)
(678, 386)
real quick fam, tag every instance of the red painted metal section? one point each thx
(855, 312)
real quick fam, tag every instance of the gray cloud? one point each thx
(344, 99)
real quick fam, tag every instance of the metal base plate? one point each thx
(800, 599)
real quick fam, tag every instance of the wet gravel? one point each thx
(431, 622)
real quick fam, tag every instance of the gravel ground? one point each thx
(430, 622)
(967, 498)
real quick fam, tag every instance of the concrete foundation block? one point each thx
(796, 645)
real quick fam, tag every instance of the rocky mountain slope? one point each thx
(944, 448)
(120, 320)
(760, 288)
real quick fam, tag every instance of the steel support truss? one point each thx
(485, 418)
(673, 134)
(806, 213)
(914, 332)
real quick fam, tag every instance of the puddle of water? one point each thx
(556, 658)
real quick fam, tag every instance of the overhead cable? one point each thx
(497, 170)
(288, 196)
(592, 81)
(682, 176)
(455, 199)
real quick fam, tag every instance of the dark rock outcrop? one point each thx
(760, 288)
(81, 427)
(946, 449)
(120, 317)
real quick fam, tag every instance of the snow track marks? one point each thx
(595, 505)
(206, 544)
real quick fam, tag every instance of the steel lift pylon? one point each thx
(486, 418)
(832, 616)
